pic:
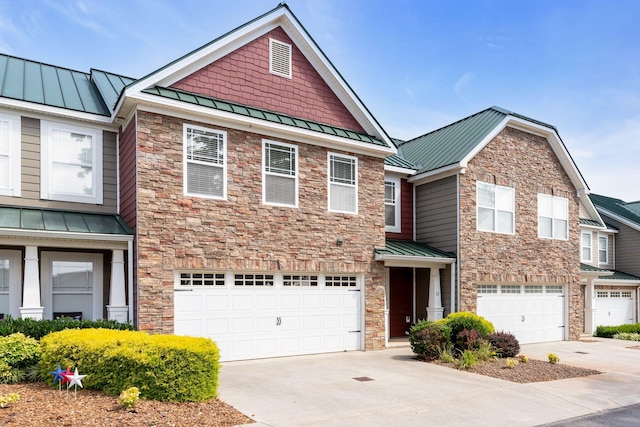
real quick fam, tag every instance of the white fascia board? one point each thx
(186, 111)
(558, 148)
(593, 227)
(48, 111)
(399, 170)
(437, 174)
(615, 282)
(618, 218)
(13, 236)
(412, 261)
(588, 205)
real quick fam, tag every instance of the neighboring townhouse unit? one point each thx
(610, 262)
(498, 195)
(64, 250)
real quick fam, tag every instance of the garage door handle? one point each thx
(183, 290)
(278, 321)
(522, 320)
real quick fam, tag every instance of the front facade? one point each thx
(244, 193)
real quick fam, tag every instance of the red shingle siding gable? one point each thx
(243, 77)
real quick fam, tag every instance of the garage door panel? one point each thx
(612, 309)
(242, 302)
(531, 317)
(251, 322)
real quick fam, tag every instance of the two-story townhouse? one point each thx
(64, 250)
(499, 196)
(610, 262)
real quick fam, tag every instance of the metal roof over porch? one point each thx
(410, 253)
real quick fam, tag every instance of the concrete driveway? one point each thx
(390, 388)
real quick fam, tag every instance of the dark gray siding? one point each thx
(627, 247)
(436, 214)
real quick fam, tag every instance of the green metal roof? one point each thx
(617, 275)
(63, 221)
(586, 221)
(398, 162)
(412, 249)
(44, 84)
(110, 85)
(451, 144)
(256, 113)
(619, 207)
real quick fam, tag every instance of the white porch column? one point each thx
(589, 308)
(435, 310)
(31, 306)
(117, 308)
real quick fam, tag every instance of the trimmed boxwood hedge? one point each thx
(610, 331)
(163, 367)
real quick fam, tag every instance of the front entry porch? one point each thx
(420, 284)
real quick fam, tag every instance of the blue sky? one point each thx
(417, 65)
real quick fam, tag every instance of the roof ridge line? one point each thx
(44, 63)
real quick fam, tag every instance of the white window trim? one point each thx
(187, 126)
(47, 259)
(606, 248)
(495, 209)
(397, 227)
(582, 246)
(15, 281)
(15, 156)
(330, 183)
(46, 128)
(553, 217)
(272, 42)
(265, 173)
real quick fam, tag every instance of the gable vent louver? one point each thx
(279, 58)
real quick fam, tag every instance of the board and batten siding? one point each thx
(627, 248)
(30, 174)
(128, 198)
(436, 214)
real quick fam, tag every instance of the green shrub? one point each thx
(505, 344)
(17, 354)
(129, 397)
(511, 363)
(459, 321)
(629, 336)
(39, 328)
(162, 367)
(484, 351)
(446, 355)
(428, 339)
(553, 358)
(610, 331)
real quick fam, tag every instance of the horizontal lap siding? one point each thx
(30, 176)
(436, 214)
(627, 248)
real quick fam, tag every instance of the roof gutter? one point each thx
(436, 174)
(416, 261)
(617, 217)
(64, 235)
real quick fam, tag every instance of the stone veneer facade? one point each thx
(526, 163)
(177, 232)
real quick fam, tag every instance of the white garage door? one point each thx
(533, 313)
(614, 308)
(253, 316)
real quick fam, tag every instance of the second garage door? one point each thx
(533, 313)
(614, 307)
(254, 316)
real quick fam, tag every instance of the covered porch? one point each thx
(59, 263)
(420, 283)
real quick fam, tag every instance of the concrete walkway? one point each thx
(393, 389)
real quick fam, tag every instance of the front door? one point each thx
(400, 301)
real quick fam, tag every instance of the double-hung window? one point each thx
(553, 217)
(205, 164)
(496, 211)
(392, 204)
(603, 250)
(586, 246)
(71, 163)
(343, 183)
(279, 174)
(9, 155)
